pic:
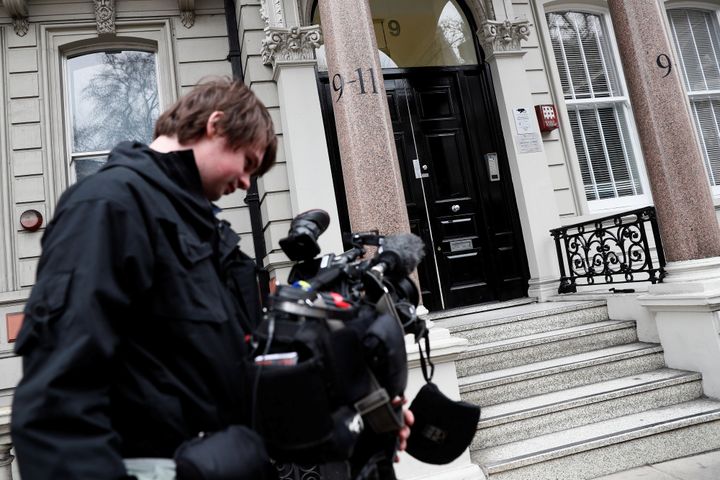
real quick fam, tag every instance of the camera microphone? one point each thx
(400, 255)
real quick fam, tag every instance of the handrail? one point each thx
(612, 249)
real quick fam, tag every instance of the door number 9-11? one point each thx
(363, 87)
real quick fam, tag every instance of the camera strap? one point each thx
(425, 358)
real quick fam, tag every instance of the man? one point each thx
(132, 342)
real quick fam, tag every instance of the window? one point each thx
(695, 33)
(112, 96)
(599, 110)
(102, 90)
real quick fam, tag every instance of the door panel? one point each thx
(453, 199)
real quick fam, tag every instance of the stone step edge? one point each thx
(467, 384)
(492, 322)
(602, 441)
(480, 308)
(515, 343)
(681, 378)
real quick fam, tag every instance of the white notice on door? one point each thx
(523, 120)
(528, 143)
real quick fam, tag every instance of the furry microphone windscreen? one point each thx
(407, 250)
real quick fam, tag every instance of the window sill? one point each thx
(606, 208)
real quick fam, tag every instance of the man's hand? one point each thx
(404, 432)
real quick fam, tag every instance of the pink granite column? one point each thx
(680, 188)
(369, 161)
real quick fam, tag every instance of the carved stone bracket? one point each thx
(105, 16)
(19, 13)
(271, 11)
(290, 44)
(504, 36)
(187, 12)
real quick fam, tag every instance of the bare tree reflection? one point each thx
(124, 102)
(452, 30)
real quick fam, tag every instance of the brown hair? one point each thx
(245, 123)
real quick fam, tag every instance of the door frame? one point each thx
(494, 131)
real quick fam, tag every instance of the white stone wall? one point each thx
(273, 187)
(541, 85)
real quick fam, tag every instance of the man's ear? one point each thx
(211, 129)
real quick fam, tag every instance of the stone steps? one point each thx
(608, 446)
(491, 388)
(523, 320)
(515, 351)
(567, 393)
(541, 414)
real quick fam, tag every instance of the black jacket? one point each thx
(132, 342)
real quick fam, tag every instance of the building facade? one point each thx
(509, 118)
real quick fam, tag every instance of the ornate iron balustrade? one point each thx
(613, 249)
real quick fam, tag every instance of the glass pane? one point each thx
(413, 33)
(113, 97)
(707, 118)
(582, 55)
(696, 37)
(604, 150)
(85, 167)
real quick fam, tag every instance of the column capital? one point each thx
(504, 35)
(290, 44)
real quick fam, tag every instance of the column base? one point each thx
(687, 314)
(543, 288)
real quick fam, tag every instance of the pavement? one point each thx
(705, 466)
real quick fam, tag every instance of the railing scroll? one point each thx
(612, 249)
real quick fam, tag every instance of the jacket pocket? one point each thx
(45, 305)
(187, 285)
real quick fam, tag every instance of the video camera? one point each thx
(330, 352)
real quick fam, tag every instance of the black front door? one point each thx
(457, 185)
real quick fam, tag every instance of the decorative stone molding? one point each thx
(5, 444)
(504, 36)
(187, 12)
(290, 44)
(271, 11)
(105, 16)
(19, 13)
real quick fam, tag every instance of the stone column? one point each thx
(373, 184)
(686, 306)
(528, 163)
(289, 49)
(688, 225)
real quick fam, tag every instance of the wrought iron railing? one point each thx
(613, 249)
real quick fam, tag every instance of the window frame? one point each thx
(713, 8)
(603, 205)
(131, 44)
(59, 43)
